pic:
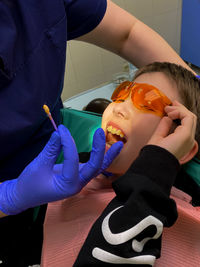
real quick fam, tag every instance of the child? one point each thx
(141, 205)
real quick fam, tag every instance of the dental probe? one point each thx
(46, 109)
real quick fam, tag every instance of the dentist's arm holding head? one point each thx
(123, 34)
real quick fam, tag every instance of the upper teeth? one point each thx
(115, 131)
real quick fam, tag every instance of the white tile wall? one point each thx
(89, 66)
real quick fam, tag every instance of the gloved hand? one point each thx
(42, 181)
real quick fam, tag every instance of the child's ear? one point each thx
(190, 154)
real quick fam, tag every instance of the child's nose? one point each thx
(123, 109)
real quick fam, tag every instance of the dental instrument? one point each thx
(47, 111)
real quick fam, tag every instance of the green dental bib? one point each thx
(192, 168)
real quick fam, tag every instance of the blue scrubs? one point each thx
(33, 39)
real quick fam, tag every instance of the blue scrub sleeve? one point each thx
(83, 16)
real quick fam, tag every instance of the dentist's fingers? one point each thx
(92, 167)
(51, 151)
(98, 149)
(111, 154)
(71, 159)
(98, 161)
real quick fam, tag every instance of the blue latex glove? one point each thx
(42, 181)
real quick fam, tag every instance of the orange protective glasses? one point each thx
(145, 97)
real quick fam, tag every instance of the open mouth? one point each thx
(114, 135)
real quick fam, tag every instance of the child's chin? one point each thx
(115, 170)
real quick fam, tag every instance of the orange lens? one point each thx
(145, 97)
(149, 99)
(121, 92)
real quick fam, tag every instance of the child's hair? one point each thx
(188, 86)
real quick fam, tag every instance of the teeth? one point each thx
(112, 131)
(115, 131)
(118, 132)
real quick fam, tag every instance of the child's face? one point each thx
(136, 125)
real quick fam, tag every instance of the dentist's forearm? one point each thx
(128, 37)
(144, 46)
